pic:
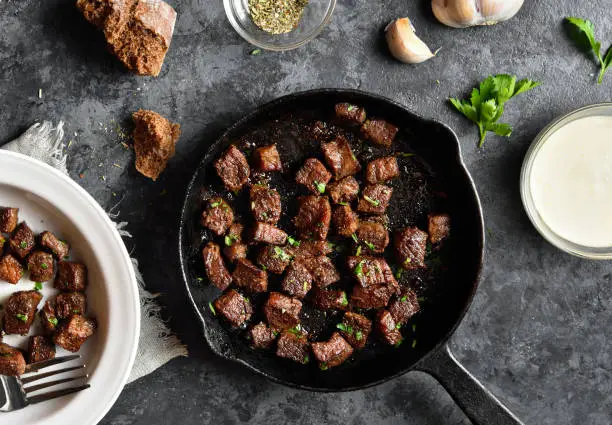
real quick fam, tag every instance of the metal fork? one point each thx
(17, 390)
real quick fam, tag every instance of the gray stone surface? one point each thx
(538, 333)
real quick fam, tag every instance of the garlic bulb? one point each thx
(468, 13)
(404, 44)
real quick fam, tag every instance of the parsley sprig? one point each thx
(582, 32)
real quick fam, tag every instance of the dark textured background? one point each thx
(538, 333)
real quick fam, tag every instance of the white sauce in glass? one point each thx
(571, 181)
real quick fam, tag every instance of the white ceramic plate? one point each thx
(48, 200)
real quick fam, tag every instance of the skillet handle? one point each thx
(478, 403)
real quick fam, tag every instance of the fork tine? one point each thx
(56, 394)
(53, 383)
(47, 374)
(35, 367)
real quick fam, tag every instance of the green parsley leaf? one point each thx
(398, 326)
(320, 186)
(399, 273)
(281, 254)
(343, 299)
(370, 245)
(344, 204)
(355, 238)
(255, 52)
(374, 202)
(399, 343)
(22, 317)
(212, 309)
(293, 241)
(350, 108)
(582, 32)
(53, 320)
(358, 253)
(341, 326)
(358, 335)
(306, 359)
(414, 342)
(323, 366)
(215, 204)
(23, 245)
(229, 240)
(199, 279)
(485, 106)
(44, 266)
(359, 269)
(403, 299)
(38, 286)
(405, 154)
(413, 327)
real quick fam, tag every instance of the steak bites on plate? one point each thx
(286, 242)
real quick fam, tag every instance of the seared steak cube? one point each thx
(388, 329)
(265, 204)
(310, 248)
(373, 296)
(371, 271)
(345, 220)
(379, 132)
(250, 277)
(313, 175)
(69, 303)
(72, 333)
(40, 348)
(382, 170)
(20, 311)
(58, 248)
(41, 266)
(267, 233)
(322, 270)
(235, 252)
(293, 346)
(267, 158)
(410, 246)
(215, 266)
(333, 352)
(297, 281)
(313, 218)
(233, 168)
(235, 308)
(274, 259)
(343, 191)
(355, 328)
(262, 336)
(282, 312)
(374, 199)
(404, 306)
(12, 362)
(71, 276)
(439, 227)
(48, 319)
(372, 236)
(9, 217)
(234, 233)
(217, 216)
(11, 269)
(330, 299)
(340, 158)
(349, 113)
(22, 240)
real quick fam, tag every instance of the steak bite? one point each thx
(382, 170)
(69, 303)
(340, 158)
(355, 328)
(40, 348)
(310, 248)
(234, 233)
(12, 362)
(48, 319)
(273, 258)
(322, 270)
(404, 306)
(250, 277)
(73, 333)
(282, 312)
(58, 248)
(293, 346)
(439, 226)
(41, 266)
(372, 236)
(330, 299)
(371, 271)
(22, 241)
(267, 233)
(9, 217)
(333, 352)
(235, 308)
(350, 114)
(265, 204)
(267, 158)
(343, 191)
(217, 216)
(379, 132)
(313, 218)
(20, 311)
(262, 336)
(373, 296)
(297, 281)
(410, 246)
(215, 266)
(345, 220)
(374, 199)
(233, 168)
(313, 175)
(235, 251)
(388, 329)
(71, 276)
(11, 269)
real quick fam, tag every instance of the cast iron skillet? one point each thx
(434, 179)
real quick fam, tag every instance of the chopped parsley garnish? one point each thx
(306, 359)
(399, 273)
(370, 245)
(414, 342)
(343, 299)
(405, 154)
(398, 326)
(358, 335)
(348, 329)
(255, 52)
(355, 238)
(22, 317)
(413, 327)
(344, 204)
(374, 202)
(404, 299)
(293, 242)
(264, 215)
(297, 330)
(76, 311)
(215, 204)
(421, 299)
(212, 309)
(23, 244)
(264, 268)
(407, 261)
(319, 186)
(53, 321)
(44, 266)
(280, 253)
(230, 239)
(351, 108)
(38, 286)
(359, 269)
(323, 366)
(399, 343)
(306, 285)
(358, 253)
(199, 279)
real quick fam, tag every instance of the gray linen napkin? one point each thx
(157, 345)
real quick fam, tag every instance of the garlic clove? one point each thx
(404, 44)
(468, 13)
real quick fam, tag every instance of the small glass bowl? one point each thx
(593, 253)
(316, 16)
